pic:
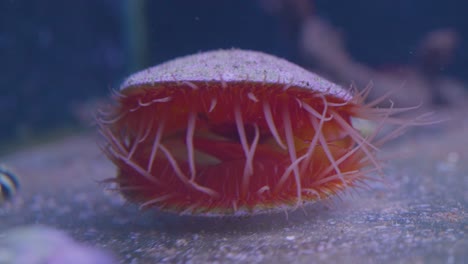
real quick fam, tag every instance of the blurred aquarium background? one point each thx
(59, 59)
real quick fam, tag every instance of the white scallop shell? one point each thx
(235, 65)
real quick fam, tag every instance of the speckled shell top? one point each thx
(235, 65)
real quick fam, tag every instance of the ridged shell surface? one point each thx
(235, 65)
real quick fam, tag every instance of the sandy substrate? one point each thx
(418, 215)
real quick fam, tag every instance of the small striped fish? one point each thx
(9, 185)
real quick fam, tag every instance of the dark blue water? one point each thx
(57, 55)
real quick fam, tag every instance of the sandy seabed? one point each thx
(418, 215)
